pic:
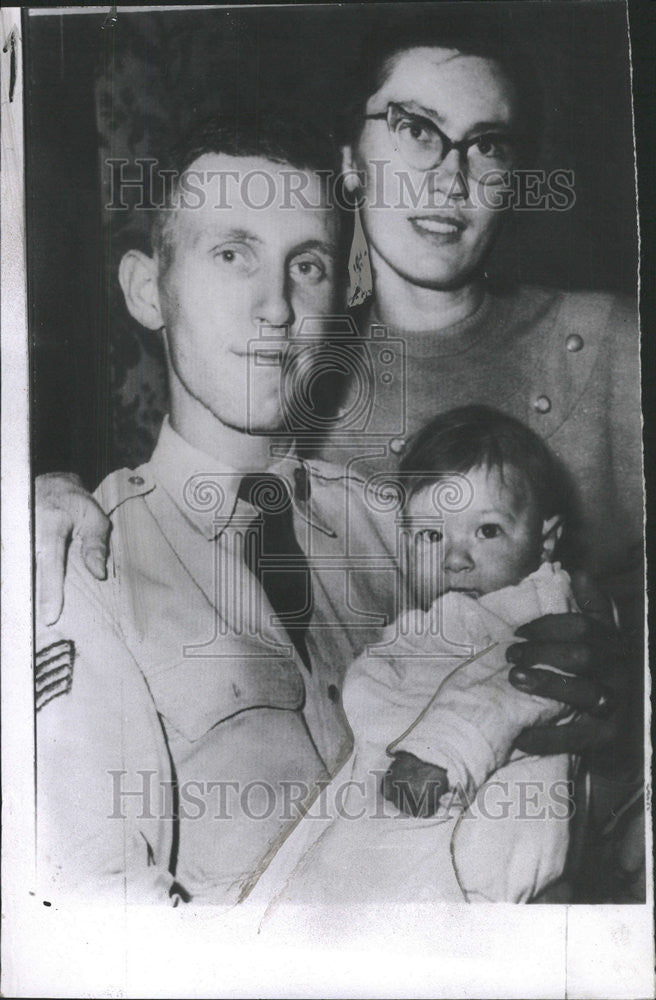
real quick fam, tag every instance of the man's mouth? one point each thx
(283, 356)
(264, 357)
(469, 591)
(270, 356)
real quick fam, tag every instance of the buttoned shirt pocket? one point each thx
(197, 692)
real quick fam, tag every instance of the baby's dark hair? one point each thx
(472, 437)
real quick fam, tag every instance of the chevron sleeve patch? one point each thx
(53, 674)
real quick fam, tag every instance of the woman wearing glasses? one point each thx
(433, 137)
(436, 128)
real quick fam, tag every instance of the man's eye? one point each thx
(430, 535)
(232, 255)
(489, 531)
(308, 271)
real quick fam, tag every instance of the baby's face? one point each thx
(494, 543)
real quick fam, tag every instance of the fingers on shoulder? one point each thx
(91, 522)
(52, 528)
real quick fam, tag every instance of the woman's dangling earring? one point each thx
(359, 266)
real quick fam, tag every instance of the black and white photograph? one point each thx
(324, 603)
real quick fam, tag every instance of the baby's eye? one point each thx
(430, 535)
(308, 270)
(489, 531)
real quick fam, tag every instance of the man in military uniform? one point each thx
(195, 716)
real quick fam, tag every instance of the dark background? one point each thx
(94, 89)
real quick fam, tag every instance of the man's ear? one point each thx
(552, 530)
(137, 275)
(352, 177)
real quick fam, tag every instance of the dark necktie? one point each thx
(274, 556)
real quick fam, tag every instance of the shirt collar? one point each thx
(204, 489)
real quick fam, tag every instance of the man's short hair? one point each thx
(471, 437)
(485, 32)
(267, 134)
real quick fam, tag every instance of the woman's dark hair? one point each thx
(485, 32)
(480, 437)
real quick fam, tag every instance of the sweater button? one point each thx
(574, 343)
(136, 480)
(542, 404)
(397, 445)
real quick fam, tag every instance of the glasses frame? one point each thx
(462, 146)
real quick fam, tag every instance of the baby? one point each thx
(482, 517)
(508, 525)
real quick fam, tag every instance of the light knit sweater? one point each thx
(566, 364)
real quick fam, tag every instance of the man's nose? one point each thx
(450, 177)
(273, 306)
(457, 557)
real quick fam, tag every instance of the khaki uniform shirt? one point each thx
(220, 705)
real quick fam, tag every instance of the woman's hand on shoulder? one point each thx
(64, 510)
